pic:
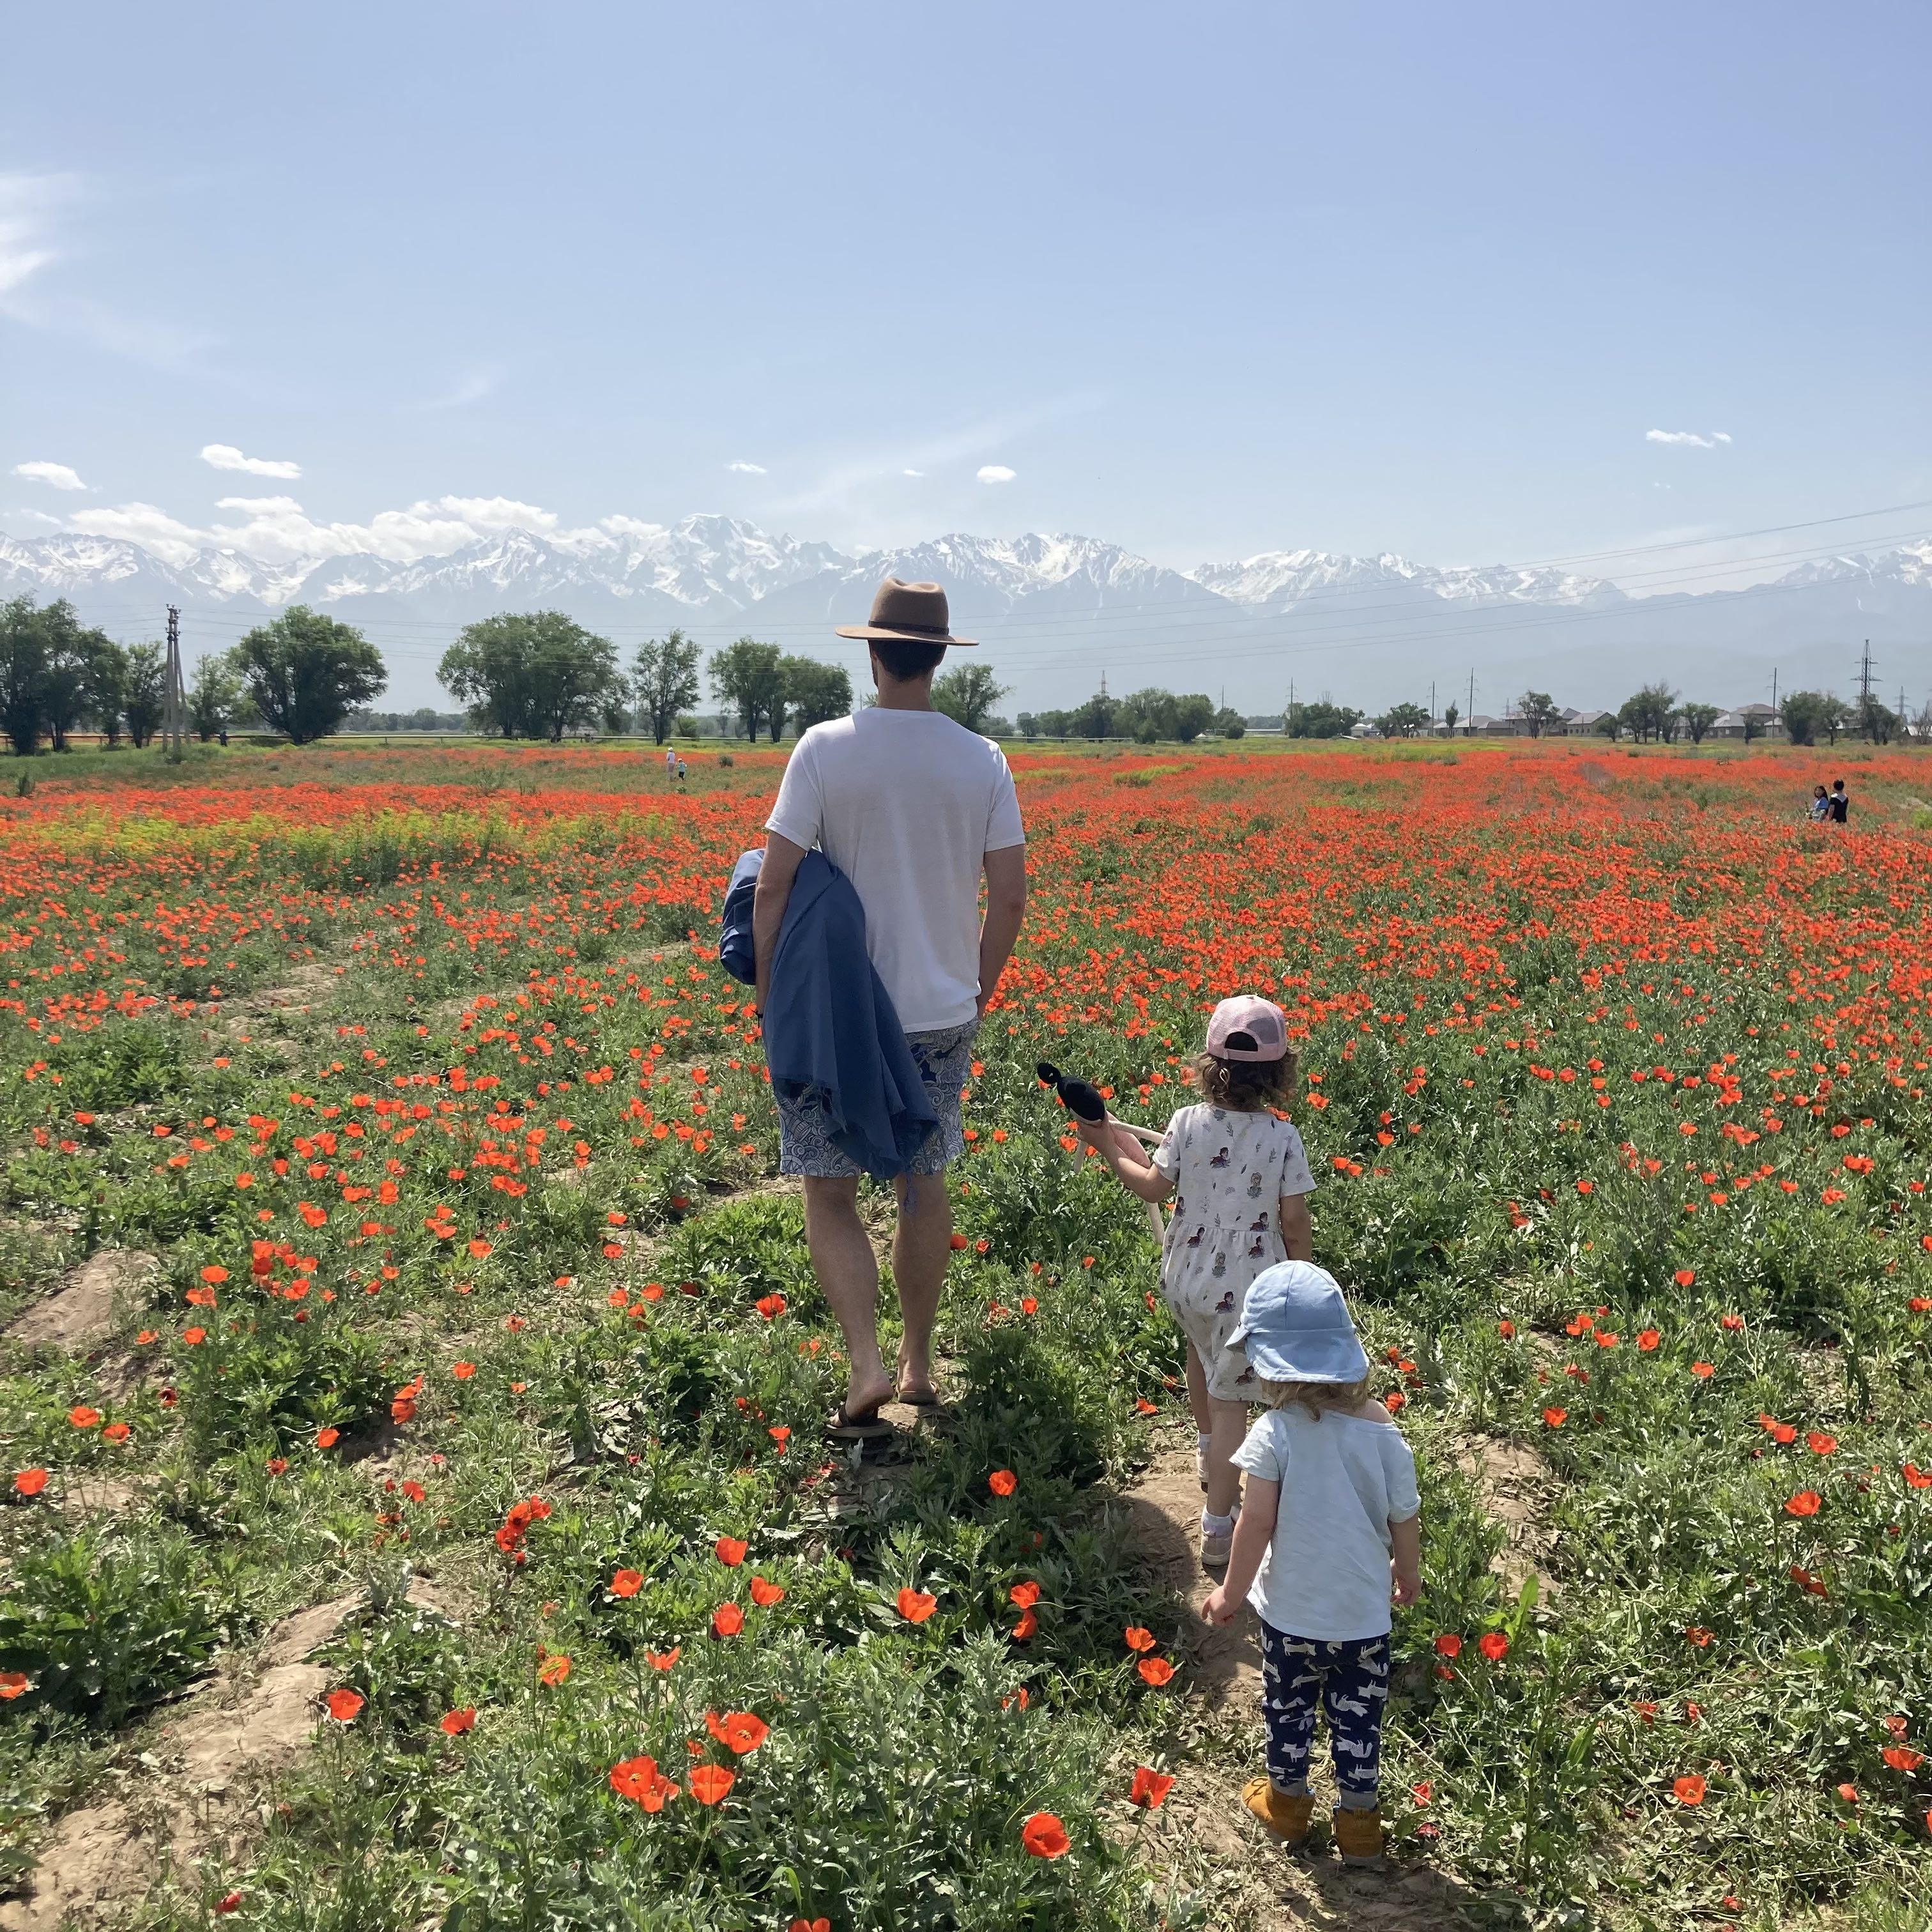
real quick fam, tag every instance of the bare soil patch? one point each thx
(190, 1796)
(79, 1314)
(1516, 1487)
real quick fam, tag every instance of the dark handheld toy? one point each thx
(1082, 1100)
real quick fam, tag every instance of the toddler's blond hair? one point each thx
(1317, 1397)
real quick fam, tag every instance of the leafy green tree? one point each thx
(749, 676)
(76, 660)
(1698, 719)
(618, 716)
(665, 680)
(1229, 723)
(212, 697)
(1402, 721)
(107, 689)
(305, 672)
(532, 673)
(141, 703)
(1538, 710)
(1322, 719)
(968, 693)
(1649, 713)
(23, 671)
(1029, 725)
(1098, 717)
(1450, 712)
(1878, 723)
(815, 691)
(1802, 714)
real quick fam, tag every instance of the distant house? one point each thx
(1753, 720)
(1481, 725)
(1588, 724)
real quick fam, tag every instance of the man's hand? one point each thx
(1219, 1609)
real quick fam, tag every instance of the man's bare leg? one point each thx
(848, 1274)
(921, 1247)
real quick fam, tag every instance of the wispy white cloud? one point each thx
(747, 468)
(475, 384)
(912, 472)
(1689, 437)
(57, 475)
(152, 528)
(27, 205)
(38, 517)
(995, 472)
(226, 456)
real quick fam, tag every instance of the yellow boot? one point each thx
(1286, 1817)
(1358, 1836)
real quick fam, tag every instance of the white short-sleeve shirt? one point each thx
(1344, 1479)
(906, 804)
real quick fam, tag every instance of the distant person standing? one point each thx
(670, 761)
(1820, 807)
(680, 771)
(1841, 805)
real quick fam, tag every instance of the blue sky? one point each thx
(1207, 281)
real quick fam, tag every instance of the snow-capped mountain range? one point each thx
(1059, 606)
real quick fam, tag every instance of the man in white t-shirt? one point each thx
(912, 809)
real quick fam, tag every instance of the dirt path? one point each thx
(189, 1795)
(1204, 1819)
(79, 1313)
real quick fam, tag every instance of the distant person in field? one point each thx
(913, 809)
(670, 761)
(1240, 1184)
(1820, 809)
(1841, 805)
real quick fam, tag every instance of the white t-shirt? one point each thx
(1344, 1479)
(906, 804)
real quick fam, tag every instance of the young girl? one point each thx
(1240, 1185)
(1332, 1533)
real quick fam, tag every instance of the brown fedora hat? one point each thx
(913, 613)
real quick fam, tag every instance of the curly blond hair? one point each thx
(1316, 1397)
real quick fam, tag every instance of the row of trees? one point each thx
(1149, 717)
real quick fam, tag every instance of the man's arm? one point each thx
(782, 859)
(1005, 910)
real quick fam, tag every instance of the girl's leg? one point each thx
(1290, 1683)
(1354, 1694)
(1228, 1427)
(1197, 1404)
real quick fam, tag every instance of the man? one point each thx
(912, 809)
(1841, 804)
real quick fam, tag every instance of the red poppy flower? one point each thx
(1915, 1478)
(1684, 1277)
(1045, 1836)
(1150, 1788)
(738, 1731)
(1703, 1371)
(765, 1595)
(1026, 1627)
(626, 1583)
(343, 1705)
(663, 1659)
(1135, 1638)
(1493, 1645)
(729, 1551)
(327, 1438)
(462, 1371)
(30, 1482)
(1901, 1757)
(915, 1605)
(82, 1416)
(727, 1620)
(554, 1670)
(1804, 1503)
(1849, 1792)
(14, 1684)
(1448, 1644)
(710, 1782)
(1688, 1789)
(1003, 1482)
(1647, 1339)
(455, 1723)
(1155, 1671)
(1025, 1595)
(1819, 1444)
(229, 1901)
(1555, 1418)
(639, 1780)
(479, 1249)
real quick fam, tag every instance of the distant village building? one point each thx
(1747, 720)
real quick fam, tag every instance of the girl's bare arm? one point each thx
(1121, 1151)
(1297, 1227)
(1254, 1530)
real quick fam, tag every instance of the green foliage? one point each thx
(102, 1623)
(1320, 719)
(969, 694)
(815, 691)
(305, 672)
(532, 674)
(665, 680)
(750, 676)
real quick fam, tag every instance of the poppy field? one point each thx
(420, 1159)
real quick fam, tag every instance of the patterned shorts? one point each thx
(944, 1060)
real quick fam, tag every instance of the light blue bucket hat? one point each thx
(1294, 1327)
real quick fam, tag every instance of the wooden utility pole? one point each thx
(174, 724)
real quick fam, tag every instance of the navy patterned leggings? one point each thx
(1351, 1682)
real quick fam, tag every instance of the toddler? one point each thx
(1240, 1185)
(1332, 1533)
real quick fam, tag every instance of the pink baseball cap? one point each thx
(1248, 1027)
